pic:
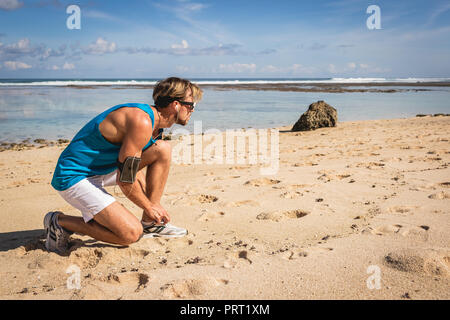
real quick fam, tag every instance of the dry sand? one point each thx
(346, 203)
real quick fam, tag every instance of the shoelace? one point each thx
(153, 228)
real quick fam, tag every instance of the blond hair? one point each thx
(173, 88)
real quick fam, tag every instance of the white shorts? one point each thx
(88, 195)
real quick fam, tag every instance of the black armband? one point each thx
(128, 169)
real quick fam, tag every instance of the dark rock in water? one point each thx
(319, 115)
(423, 115)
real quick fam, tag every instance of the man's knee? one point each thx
(161, 151)
(164, 149)
(132, 234)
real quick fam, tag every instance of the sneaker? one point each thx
(57, 238)
(163, 230)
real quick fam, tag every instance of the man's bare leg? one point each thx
(157, 159)
(114, 224)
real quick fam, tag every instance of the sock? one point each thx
(58, 225)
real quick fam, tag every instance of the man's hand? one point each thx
(157, 213)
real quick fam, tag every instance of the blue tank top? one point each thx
(90, 154)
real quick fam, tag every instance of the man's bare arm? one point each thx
(138, 132)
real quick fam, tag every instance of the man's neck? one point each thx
(161, 120)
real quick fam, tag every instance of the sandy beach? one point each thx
(359, 211)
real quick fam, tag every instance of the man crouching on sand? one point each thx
(113, 148)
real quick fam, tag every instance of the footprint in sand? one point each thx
(234, 259)
(416, 233)
(193, 200)
(424, 261)
(440, 195)
(89, 257)
(261, 182)
(401, 209)
(387, 229)
(444, 184)
(127, 279)
(252, 203)
(190, 288)
(112, 286)
(207, 216)
(86, 257)
(44, 261)
(282, 215)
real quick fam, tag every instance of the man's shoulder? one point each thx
(138, 117)
(138, 122)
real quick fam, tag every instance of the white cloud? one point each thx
(296, 68)
(68, 66)
(183, 10)
(10, 4)
(183, 45)
(15, 65)
(194, 6)
(101, 46)
(184, 49)
(237, 67)
(270, 69)
(21, 46)
(355, 68)
(439, 11)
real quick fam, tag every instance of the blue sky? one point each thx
(224, 39)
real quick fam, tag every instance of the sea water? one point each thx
(49, 111)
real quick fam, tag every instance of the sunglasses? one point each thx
(190, 104)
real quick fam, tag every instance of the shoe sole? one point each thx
(47, 221)
(157, 235)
